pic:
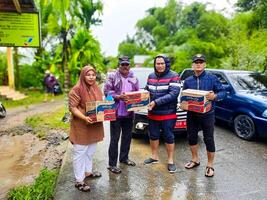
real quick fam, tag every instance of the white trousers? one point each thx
(83, 160)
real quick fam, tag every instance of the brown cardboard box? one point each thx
(101, 110)
(195, 100)
(137, 100)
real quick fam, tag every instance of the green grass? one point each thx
(43, 122)
(42, 189)
(33, 98)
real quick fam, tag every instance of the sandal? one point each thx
(94, 175)
(128, 162)
(114, 169)
(191, 164)
(208, 169)
(83, 187)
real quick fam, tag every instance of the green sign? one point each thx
(19, 30)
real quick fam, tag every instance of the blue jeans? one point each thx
(121, 127)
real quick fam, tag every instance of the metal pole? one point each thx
(10, 68)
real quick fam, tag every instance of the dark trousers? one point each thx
(121, 127)
(204, 122)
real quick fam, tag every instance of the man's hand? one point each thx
(211, 96)
(122, 97)
(151, 105)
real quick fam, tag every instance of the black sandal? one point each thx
(208, 169)
(83, 187)
(114, 169)
(195, 164)
(94, 175)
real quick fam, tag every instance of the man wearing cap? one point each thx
(202, 80)
(163, 87)
(123, 80)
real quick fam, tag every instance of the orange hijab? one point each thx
(87, 92)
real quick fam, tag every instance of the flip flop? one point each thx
(195, 164)
(208, 169)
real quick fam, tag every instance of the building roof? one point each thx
(18, 6)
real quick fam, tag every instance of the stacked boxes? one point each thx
(101, 110)
(195, 100)
(137, 100)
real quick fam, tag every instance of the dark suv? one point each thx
(245, 107)
(140, 125)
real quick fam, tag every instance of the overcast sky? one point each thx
(120, 16)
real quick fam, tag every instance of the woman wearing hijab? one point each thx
(84, 134)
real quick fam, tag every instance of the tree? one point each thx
(84, 50)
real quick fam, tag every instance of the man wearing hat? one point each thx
(123, 80)
(202, 80)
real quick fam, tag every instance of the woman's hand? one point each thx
(88, 120)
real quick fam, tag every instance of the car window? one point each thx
(142, 74)
(249, 81)
(186, 73)
(221, 79)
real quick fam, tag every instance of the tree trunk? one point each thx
(65, 61)
(17, 70)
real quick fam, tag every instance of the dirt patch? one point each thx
(23, 155)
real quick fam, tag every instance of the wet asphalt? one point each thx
(240, 172)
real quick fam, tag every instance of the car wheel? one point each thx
(244, 127)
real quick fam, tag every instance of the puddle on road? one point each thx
(20, 160)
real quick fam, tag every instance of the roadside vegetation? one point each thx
(41, 123)
(41, 189)
(33, 98)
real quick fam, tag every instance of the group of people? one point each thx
(163, 86)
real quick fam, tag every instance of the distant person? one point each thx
(202, 80)
(49, 81)
(164, 89)
(119, 82)
(84, 134)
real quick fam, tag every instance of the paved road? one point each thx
(240, 173)
(16, 116)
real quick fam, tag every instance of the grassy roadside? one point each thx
(44, 185)
(43, 122)
(33, 97)
(42, 189)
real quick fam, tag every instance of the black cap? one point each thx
(199, 57)
(124, 60)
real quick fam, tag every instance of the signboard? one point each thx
(19, 30)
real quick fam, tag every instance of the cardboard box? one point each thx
(101, 110)
(137, 100)
(195, 100)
